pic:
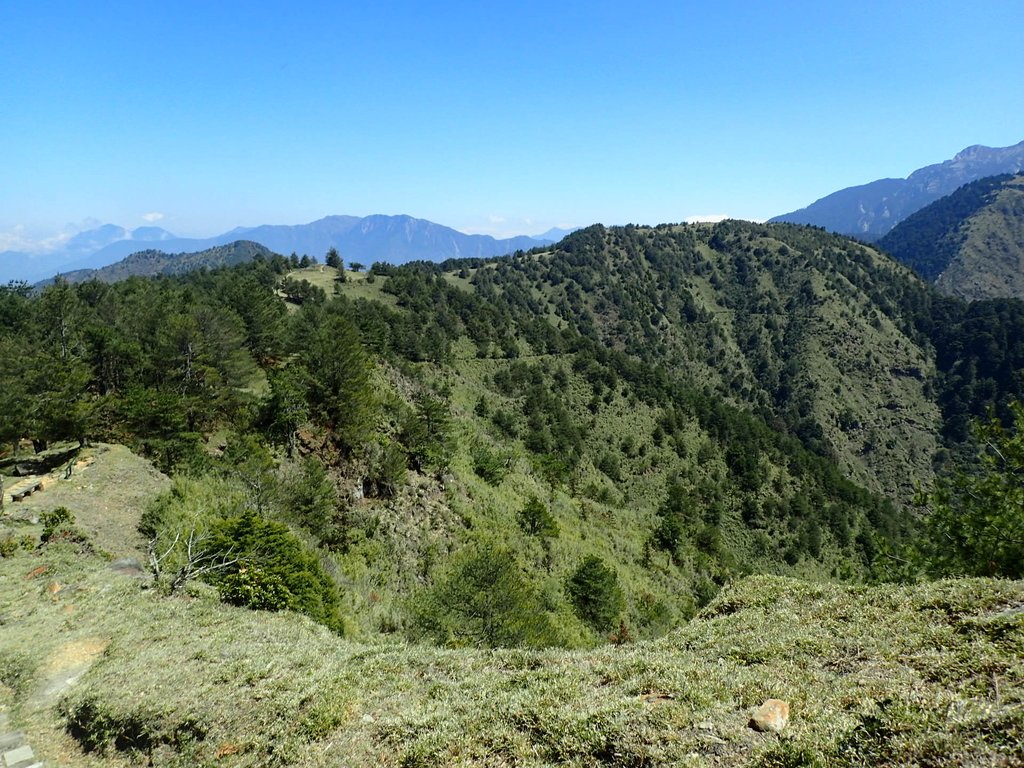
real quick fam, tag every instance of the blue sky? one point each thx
(489, 117)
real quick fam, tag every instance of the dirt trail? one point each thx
(107, 491)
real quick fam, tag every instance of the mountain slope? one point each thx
(681, 453)
(804, 327)
(150, 263)
(970, 243)
(870, 210)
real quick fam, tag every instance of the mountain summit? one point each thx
(870, 210)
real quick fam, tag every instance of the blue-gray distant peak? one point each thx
(392, 239)
(555, 234)
(870, 210)
(151, 234)
(93, 239)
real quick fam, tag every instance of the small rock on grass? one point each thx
(771, 716)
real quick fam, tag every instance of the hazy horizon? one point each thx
(487, 119)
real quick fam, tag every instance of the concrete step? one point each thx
(11, 740)
(15, 751)
(19, 757)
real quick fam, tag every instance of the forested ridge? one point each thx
(968, 243)
(605, 432)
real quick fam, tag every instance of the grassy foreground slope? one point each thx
(100, 670)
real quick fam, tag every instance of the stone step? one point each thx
(11, 740)
(19, 757)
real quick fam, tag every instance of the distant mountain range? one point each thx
(392, 239)
(870, 210)
(969, 243)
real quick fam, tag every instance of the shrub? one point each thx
(199, 531)
(254, 587)
(278, 561)
(59, 520)
(10, 544)
(489, 465)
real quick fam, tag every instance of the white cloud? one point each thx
(13, 239)
(18, 238)
(153, 217)
(712, 218)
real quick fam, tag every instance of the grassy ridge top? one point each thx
(922, 674)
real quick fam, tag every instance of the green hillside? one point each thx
(970, 243)
(580, 448)
(807, 330)
(152, 262)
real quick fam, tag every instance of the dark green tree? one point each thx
(60, 319)
(386, 468)
(677, 519)
(595, 594)
(287, 408)
(339, 393)
(15, 400)
(311, 499)
(261, 312)
(976, 523)
(334, 260)
(247, 459)
(425, 433)
(484, 599)
(157, 422)
(62, 407)
(535, 519)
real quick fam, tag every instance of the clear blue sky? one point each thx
(498, 117)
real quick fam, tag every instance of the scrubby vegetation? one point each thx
(583, 447)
